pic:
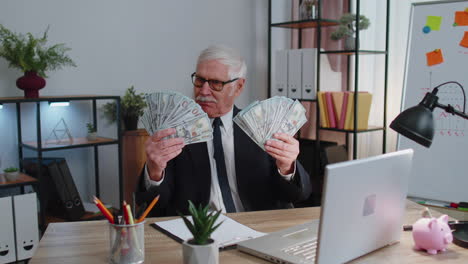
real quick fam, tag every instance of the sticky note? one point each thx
(464, 41)
(434, 57)
(461, 18)
(434, 22)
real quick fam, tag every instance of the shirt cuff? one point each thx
(290, 176)
(150, 183)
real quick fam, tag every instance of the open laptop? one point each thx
(362, 210)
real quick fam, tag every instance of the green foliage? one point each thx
(27, 53)
(348, 25)
(11, 169)
(203, 223)
(91, 128)
(132, 105)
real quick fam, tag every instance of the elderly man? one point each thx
(230, 173)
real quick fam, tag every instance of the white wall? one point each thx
(116, 43)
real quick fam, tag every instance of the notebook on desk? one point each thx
(362, 210)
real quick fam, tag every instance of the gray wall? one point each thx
(116, 43)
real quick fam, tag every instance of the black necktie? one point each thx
(221, 167)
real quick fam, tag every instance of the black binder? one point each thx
(60, 196)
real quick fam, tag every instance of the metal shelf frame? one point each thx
(352, 54)
(39, 148)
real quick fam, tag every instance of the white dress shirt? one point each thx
(216, 198)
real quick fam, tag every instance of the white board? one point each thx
(441, 171)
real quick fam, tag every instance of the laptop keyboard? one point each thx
(305, 249)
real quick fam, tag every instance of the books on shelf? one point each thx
(337, 109)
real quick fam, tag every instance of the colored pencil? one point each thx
(152, 204)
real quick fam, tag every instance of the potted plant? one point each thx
(92, 132)
(347, 28)
(201, 249)
(31, 55)
(11, 173)
(132, 106)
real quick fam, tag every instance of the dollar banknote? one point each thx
(262, 119)
(167, 109)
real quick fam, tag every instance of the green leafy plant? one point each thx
(91, 128)
(28, 53)
(132, 105)
(203, 223)
(11, 169)
(348, 25)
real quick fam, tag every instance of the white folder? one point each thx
(280, 88)
(27, 231)
(294, 74)
(7, 229)
(309, 73)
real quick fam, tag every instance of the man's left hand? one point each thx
(284, 150)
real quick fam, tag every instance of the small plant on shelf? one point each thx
(11, 173)
(11, 169)
(132, 105)
(92, 132)
(347, 28)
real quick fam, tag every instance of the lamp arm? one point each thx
(435, 90)
(450, 109)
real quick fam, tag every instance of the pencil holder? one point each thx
(127, 243)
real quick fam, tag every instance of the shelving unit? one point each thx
(40, 146)
(353, 61)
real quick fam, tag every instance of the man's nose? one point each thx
(205, 89)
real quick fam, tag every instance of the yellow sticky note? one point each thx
(434, 57)
(434, 22)
(464, 41)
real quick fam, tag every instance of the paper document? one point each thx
(228, 233)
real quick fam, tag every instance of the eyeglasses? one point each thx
(214, 84)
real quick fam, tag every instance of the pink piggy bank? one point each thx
(432, 234)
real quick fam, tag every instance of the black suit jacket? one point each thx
(260, 186)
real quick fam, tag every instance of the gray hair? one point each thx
(228, 57)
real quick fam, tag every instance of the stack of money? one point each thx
(260, 120)
(167, 109)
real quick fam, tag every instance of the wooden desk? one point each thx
(87, 242)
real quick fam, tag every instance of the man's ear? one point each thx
(239, 86)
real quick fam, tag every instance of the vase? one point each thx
(92, 136)
(200, 254)
(308, 10)
(31, 83)
(350, 43)
(130, 122)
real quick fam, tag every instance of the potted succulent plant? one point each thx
(347, 29)
(201, 249)
(11, 173)
(132, 105)
(31, 55)
(92, 132)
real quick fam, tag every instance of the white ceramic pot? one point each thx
(11, 176)
(92, 136)
(196, 254)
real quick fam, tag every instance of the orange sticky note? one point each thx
(461, 18)
(434, 57)
(464, 41)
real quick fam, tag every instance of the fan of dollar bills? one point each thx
(260, 120)
(168, 109)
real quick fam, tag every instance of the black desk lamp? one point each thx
(417, 122)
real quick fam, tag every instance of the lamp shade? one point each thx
(415, 123)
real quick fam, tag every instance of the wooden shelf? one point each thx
(369, 129)
(311, 23)
(23, 179)
(76, 143)
(56, 98)
(353, 52)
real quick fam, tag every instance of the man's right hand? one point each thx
(159, 151)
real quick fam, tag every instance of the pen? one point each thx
(155, 200)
